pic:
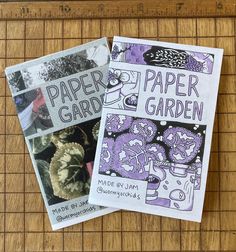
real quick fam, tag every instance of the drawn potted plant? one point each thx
(115, 84)
(177, 186)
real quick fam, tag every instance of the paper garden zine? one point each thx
(156, 128)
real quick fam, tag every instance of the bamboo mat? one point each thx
(24, 225)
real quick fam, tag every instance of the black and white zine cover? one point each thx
(156, 128)
(59, 100)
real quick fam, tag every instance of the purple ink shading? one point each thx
(205, 58)
(106, 154)
(179, 195)
(170, 185)
(159, 202)
(193, 65)
(197, 169)
(156, 175)
(130, 102)
(122, 89)
(118, 123)
(156, 152)
(163, 57)
(135, 54)
(130, 157)
(153, 183)
(145, 128)
(184, 144)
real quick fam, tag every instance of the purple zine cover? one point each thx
(156, 128)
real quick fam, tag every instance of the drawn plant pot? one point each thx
(178, 170)
(156, 175)
(113, 94)
(152, 187)
(155, 178)
(151, 194)
(130, 102)
(174, 192)
(171, 185)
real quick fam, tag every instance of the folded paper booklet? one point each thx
(58, 100)
(156, 128)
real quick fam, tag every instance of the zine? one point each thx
(59, 100)
(156, 128)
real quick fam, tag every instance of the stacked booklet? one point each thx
(156, 128)
(59, 102)
(148, 115)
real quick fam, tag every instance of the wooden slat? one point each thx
(117, 9)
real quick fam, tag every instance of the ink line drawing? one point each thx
(122, 89)
(162, 57)
(167, 155)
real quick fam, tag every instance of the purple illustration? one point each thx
(130, 159)
(197, 167)
(106, 154)
(173, 192)
(118, 123)
(135, 54)
(167, 155)
(162, 57)
(176, 189)
(156, 152)
(122, 89)
(145, 128)
(184, 144)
